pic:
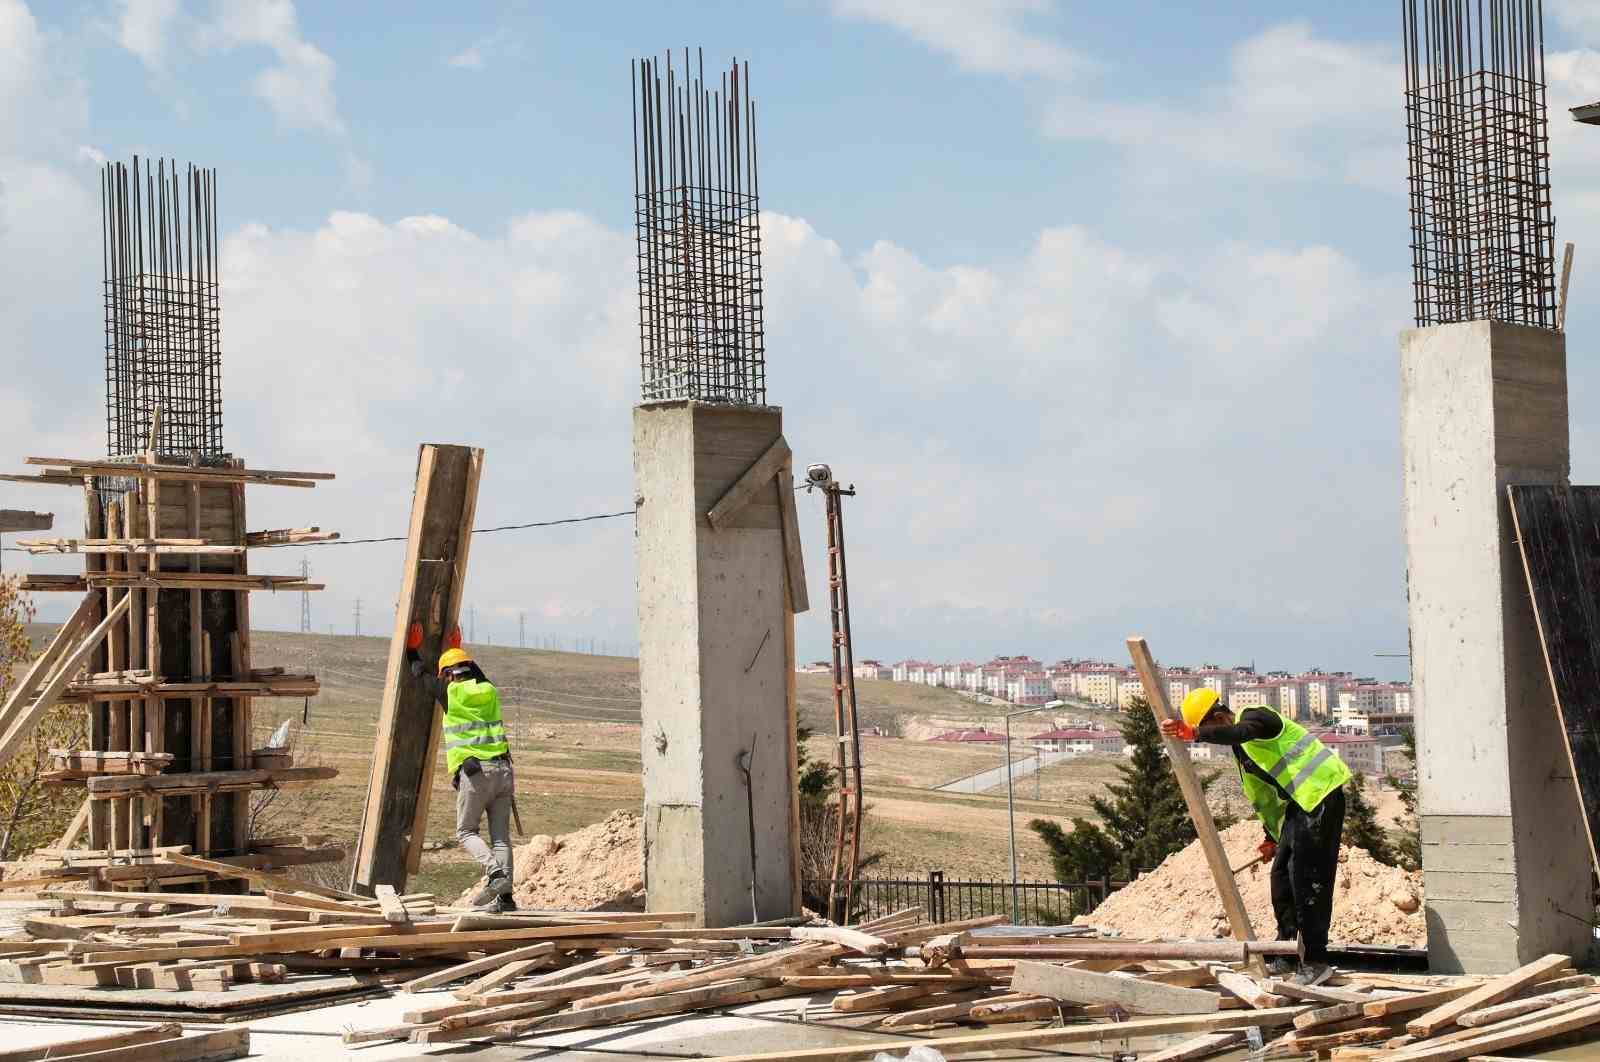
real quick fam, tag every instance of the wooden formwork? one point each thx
(170, 685)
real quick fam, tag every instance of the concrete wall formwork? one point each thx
(1483, 405)
(713, 666)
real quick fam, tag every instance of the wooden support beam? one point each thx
(25, 520)
(753, 481)
(794, 558)
(83, 1045)
(406, 747)
(18, 721)
(1194, 795)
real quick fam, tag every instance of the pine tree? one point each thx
(1361, 829)
(1145, 819)
(1407, 841)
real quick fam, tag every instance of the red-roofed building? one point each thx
(1359, 752)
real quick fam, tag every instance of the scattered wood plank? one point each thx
(855, 940)
(393, 909)
(1193, 794)
(1072, 1034)
(1500, 1011)
(759, 476)
(462, 971)
(1484, 995)
(1584, 1016)
(1247, 990)
(1133, 995)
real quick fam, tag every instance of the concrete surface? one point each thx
(1484, 405)
(713, 667)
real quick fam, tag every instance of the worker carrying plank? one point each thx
(1296, 784)
(479, 759)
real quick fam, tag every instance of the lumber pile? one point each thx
(962, 987)
(1380, 1017)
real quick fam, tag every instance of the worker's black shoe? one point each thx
(504, 904)
(1311, 973)
(498, 885)
(1280, 968)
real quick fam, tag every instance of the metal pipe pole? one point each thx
(1011, 806)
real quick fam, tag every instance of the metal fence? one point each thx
(1039, 903)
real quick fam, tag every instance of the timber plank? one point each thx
(1071, 985)
(1558, 534)
(408, 721)
(1500, 988)
(83, 1045)
(1193, 794)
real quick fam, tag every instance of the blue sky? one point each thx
(1095, 303)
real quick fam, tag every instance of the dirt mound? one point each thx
(1373, 903)
(597, 868)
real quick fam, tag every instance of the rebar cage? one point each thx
(162, 314)
(698, 233)
(1482, 229)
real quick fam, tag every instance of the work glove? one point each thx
(1177, 728)
(1268, 849)
(414, 636)
(454, 641)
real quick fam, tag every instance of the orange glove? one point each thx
(1268, 849)
(455, 638)
(1177, 728)
(414, 636)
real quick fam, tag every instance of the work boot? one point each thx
(1311, 974)
(498, 885)
(504, 904)
(1280, 968)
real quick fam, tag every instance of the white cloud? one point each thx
(468, 58)
(476, 56)
(1581, 18)
(1294, 106)
(143, 28)
(983, 36)
(299, 89)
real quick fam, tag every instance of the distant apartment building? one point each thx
(1321, 691)
(1028, 687)
(1358, 751)
(871, 669)
(1215, 678)
(1080, 742)
(1252, 693)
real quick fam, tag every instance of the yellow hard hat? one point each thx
(1198, 704)
(451, 658)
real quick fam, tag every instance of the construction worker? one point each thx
(1296, 784)
(479, 759)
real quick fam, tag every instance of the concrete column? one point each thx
(713, 667)
(1484, 405)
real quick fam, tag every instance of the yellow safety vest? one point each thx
(472, 725)
(1306, 768)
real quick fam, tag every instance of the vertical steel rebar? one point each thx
(698, 235)
(163, 337)
(1482, 226)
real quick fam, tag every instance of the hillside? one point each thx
(574, 725)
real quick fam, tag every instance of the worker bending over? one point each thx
(479, 760)
(1296, 784)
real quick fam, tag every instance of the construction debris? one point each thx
(1373, 903)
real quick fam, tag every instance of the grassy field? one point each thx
(574, 722)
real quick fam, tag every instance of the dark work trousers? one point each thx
(1304, 870)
